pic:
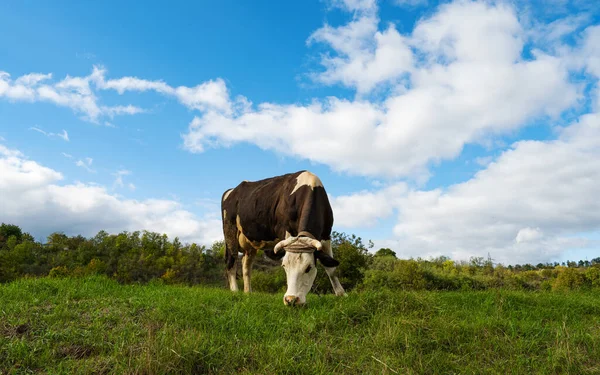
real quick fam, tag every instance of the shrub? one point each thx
(269, 282)
(60, 271)
(96, 266)
(569, 279)
(169, 277)
(592, 274)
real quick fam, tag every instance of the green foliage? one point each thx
(569, 279)
(60, 271)
(272, 281)
(383, 252)
(143, 257)
(7, 231)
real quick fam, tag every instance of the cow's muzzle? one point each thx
(291, 300)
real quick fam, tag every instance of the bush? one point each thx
(592, 274)
(96, 267)
(60, 271)
(269, 282)
(169, 277)
(406, 275)
(569, 279)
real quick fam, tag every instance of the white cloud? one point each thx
(529, 235)
(121, 85)
(363, 209)
(69, 156)
(590, 51)
(122, 110)
(86, 164)
(355, 5)
(469, 83)
(75, 93)
(210, 95)
(34, 199)
(365, 57)
(119, 178)
(410, 3)
(483, 160)
(532, 203)
(38, 130)
(32, 79)
(64, 135)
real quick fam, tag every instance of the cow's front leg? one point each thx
(335, 283)
(247, 269)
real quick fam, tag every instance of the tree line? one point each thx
(144, 256)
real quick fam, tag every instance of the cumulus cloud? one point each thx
(532, 203)
(365, 208)
(469, 82)
(529, 205)
(34, 199)
(364, 57)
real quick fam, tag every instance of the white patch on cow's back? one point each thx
(227, 194)
(224, 214)
(307, 179)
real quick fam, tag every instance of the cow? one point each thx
(290, 218)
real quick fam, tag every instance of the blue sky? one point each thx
(456, 128)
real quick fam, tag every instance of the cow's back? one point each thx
(268, 208)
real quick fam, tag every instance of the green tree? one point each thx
(8, 230)
(385, 252)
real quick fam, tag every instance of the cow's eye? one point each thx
(308, 269)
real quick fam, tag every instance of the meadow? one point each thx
(94, 324)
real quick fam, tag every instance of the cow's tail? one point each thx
(230, 256)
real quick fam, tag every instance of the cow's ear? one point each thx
(271, 254)
(326, 260)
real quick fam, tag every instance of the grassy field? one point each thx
(94, 325)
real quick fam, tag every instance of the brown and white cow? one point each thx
(290, 218)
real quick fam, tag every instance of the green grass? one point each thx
(94, 325)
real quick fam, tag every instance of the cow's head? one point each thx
(299, 259)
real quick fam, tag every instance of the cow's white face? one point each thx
(301, 271)
(298, 257)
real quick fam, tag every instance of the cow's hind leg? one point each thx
(232, 268)
(247, 269)
(231, 255)
(335, 283)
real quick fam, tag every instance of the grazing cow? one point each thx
(288, 217)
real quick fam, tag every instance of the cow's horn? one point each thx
(316, 244)
(284, 243)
